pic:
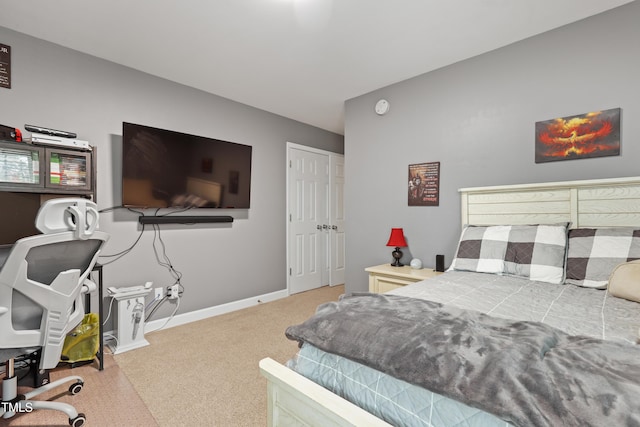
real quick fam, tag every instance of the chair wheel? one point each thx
(78, 421)
(75, 388)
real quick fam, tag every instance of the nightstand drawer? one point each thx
(384, 283)
(383, 278)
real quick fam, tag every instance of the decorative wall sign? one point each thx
(424, 184)
(5, 66)
(595, 134)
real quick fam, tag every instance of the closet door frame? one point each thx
(322, 230)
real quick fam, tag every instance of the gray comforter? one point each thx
(527, 373)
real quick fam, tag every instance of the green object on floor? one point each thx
(82, 343)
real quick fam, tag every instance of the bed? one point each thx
(567, 304)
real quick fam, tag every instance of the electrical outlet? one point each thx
(157, 293)
(172, 291)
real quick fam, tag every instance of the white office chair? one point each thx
(41, 280)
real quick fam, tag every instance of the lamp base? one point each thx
(396, 254)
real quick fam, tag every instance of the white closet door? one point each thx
(308, 219)
(337, 232)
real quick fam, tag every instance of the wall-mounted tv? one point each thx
(163, 168)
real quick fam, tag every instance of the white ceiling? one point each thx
(297, 58)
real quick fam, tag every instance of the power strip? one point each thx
(173, 291)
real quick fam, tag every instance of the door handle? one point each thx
(319, 227)
(334, 227)
(325, 226)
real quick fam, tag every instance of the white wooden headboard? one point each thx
(589, 203)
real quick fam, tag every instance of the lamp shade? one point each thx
(397, 238)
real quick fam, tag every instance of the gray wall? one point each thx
(477, 118)
(60, 88)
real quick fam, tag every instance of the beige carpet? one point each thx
(107, 399)
(206, 372)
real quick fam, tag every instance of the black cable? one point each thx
(166, 261)
(112, 208)
(155, 307)
(162, 259)
(122, 253)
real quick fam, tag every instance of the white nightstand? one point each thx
(383, 278)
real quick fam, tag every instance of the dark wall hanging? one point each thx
(424, 184)
(5, 66)
(595, 134)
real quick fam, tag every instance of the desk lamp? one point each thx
(397, 239)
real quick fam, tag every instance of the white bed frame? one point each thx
(593, 203)
(293, 400)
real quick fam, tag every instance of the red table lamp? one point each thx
(397, 239)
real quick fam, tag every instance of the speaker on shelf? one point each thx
(439, 262)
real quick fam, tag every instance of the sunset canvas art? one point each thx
(595, 134)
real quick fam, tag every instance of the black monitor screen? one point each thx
(163, 168)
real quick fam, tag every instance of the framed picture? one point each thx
(424, 184)
(5, 66)
(595, 134)
(207, 165)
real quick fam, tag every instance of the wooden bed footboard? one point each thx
(293, 400)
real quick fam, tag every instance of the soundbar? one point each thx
(182, 219)
(52, 132)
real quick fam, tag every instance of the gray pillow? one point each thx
(536, 252)
(594, 253)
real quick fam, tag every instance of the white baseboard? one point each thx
(131, 346)
(181, 319)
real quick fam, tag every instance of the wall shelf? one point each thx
(31, 174)
(183, 219)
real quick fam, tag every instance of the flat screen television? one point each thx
(163, 168)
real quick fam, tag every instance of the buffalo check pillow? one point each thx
(535, 252)
(482, 249)
(595, 252)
